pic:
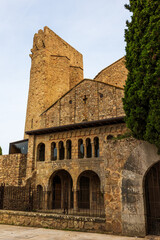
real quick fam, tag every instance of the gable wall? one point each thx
(102, 101)
(115, 74)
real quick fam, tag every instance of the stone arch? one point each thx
(60, 190)
(41, 152)
(110, 137)
(98, 172)
(88, 171)
(89, 192)
(141, 159)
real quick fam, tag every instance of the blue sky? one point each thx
(93, 27)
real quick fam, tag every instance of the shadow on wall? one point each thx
(138, 177)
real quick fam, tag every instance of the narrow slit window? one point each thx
(88, 148)
(61, 150)
(80, 149)
(69, 149)
(96, 147)
(53, 151)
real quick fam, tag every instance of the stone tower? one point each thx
(56, 68)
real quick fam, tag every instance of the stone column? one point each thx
(90, 194)
(47, 152)
(101, 144)
(69, 195)
(49, 200)
(57, 144)
(75, 196)
(93, 149)
(62, 193)
(65, 150)
(45, 199)
(75, 200)
(74, 149)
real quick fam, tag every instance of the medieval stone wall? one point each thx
(121, 168)
(74, 166)
(90, 224)
(127, 162)
(115, 74)
(88, 101)
(117, 153)
(12, 169)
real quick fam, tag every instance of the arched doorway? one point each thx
(152, 197)
(56, 191)
(84, 192)
(135, 208)
(61, 197)
(90, 197)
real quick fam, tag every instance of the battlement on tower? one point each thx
(56, 68)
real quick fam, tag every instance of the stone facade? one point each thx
(115, 74)
(75, 166)
(56, 68)
(81, 159)
(88, 101)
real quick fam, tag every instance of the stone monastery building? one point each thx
(77, 166)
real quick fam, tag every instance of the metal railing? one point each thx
(30, 199)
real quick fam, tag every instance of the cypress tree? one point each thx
(0, 151)
(142, 90)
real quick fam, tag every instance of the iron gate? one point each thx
(152, 194)
(1, 196)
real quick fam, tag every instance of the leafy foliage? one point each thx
(123, 136)
(142, 90)
(0, 151)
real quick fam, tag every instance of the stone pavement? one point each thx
(9, 232)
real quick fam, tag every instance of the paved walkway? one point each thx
(8, 232)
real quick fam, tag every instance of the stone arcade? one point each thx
(77, 159)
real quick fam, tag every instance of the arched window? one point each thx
(88, 148)
(62, 191)
(89, 194)
(96, 147)
(53, 151)
(80, 149)
(109, 137)
(69, 149)
(61, 150)
(41, 152)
